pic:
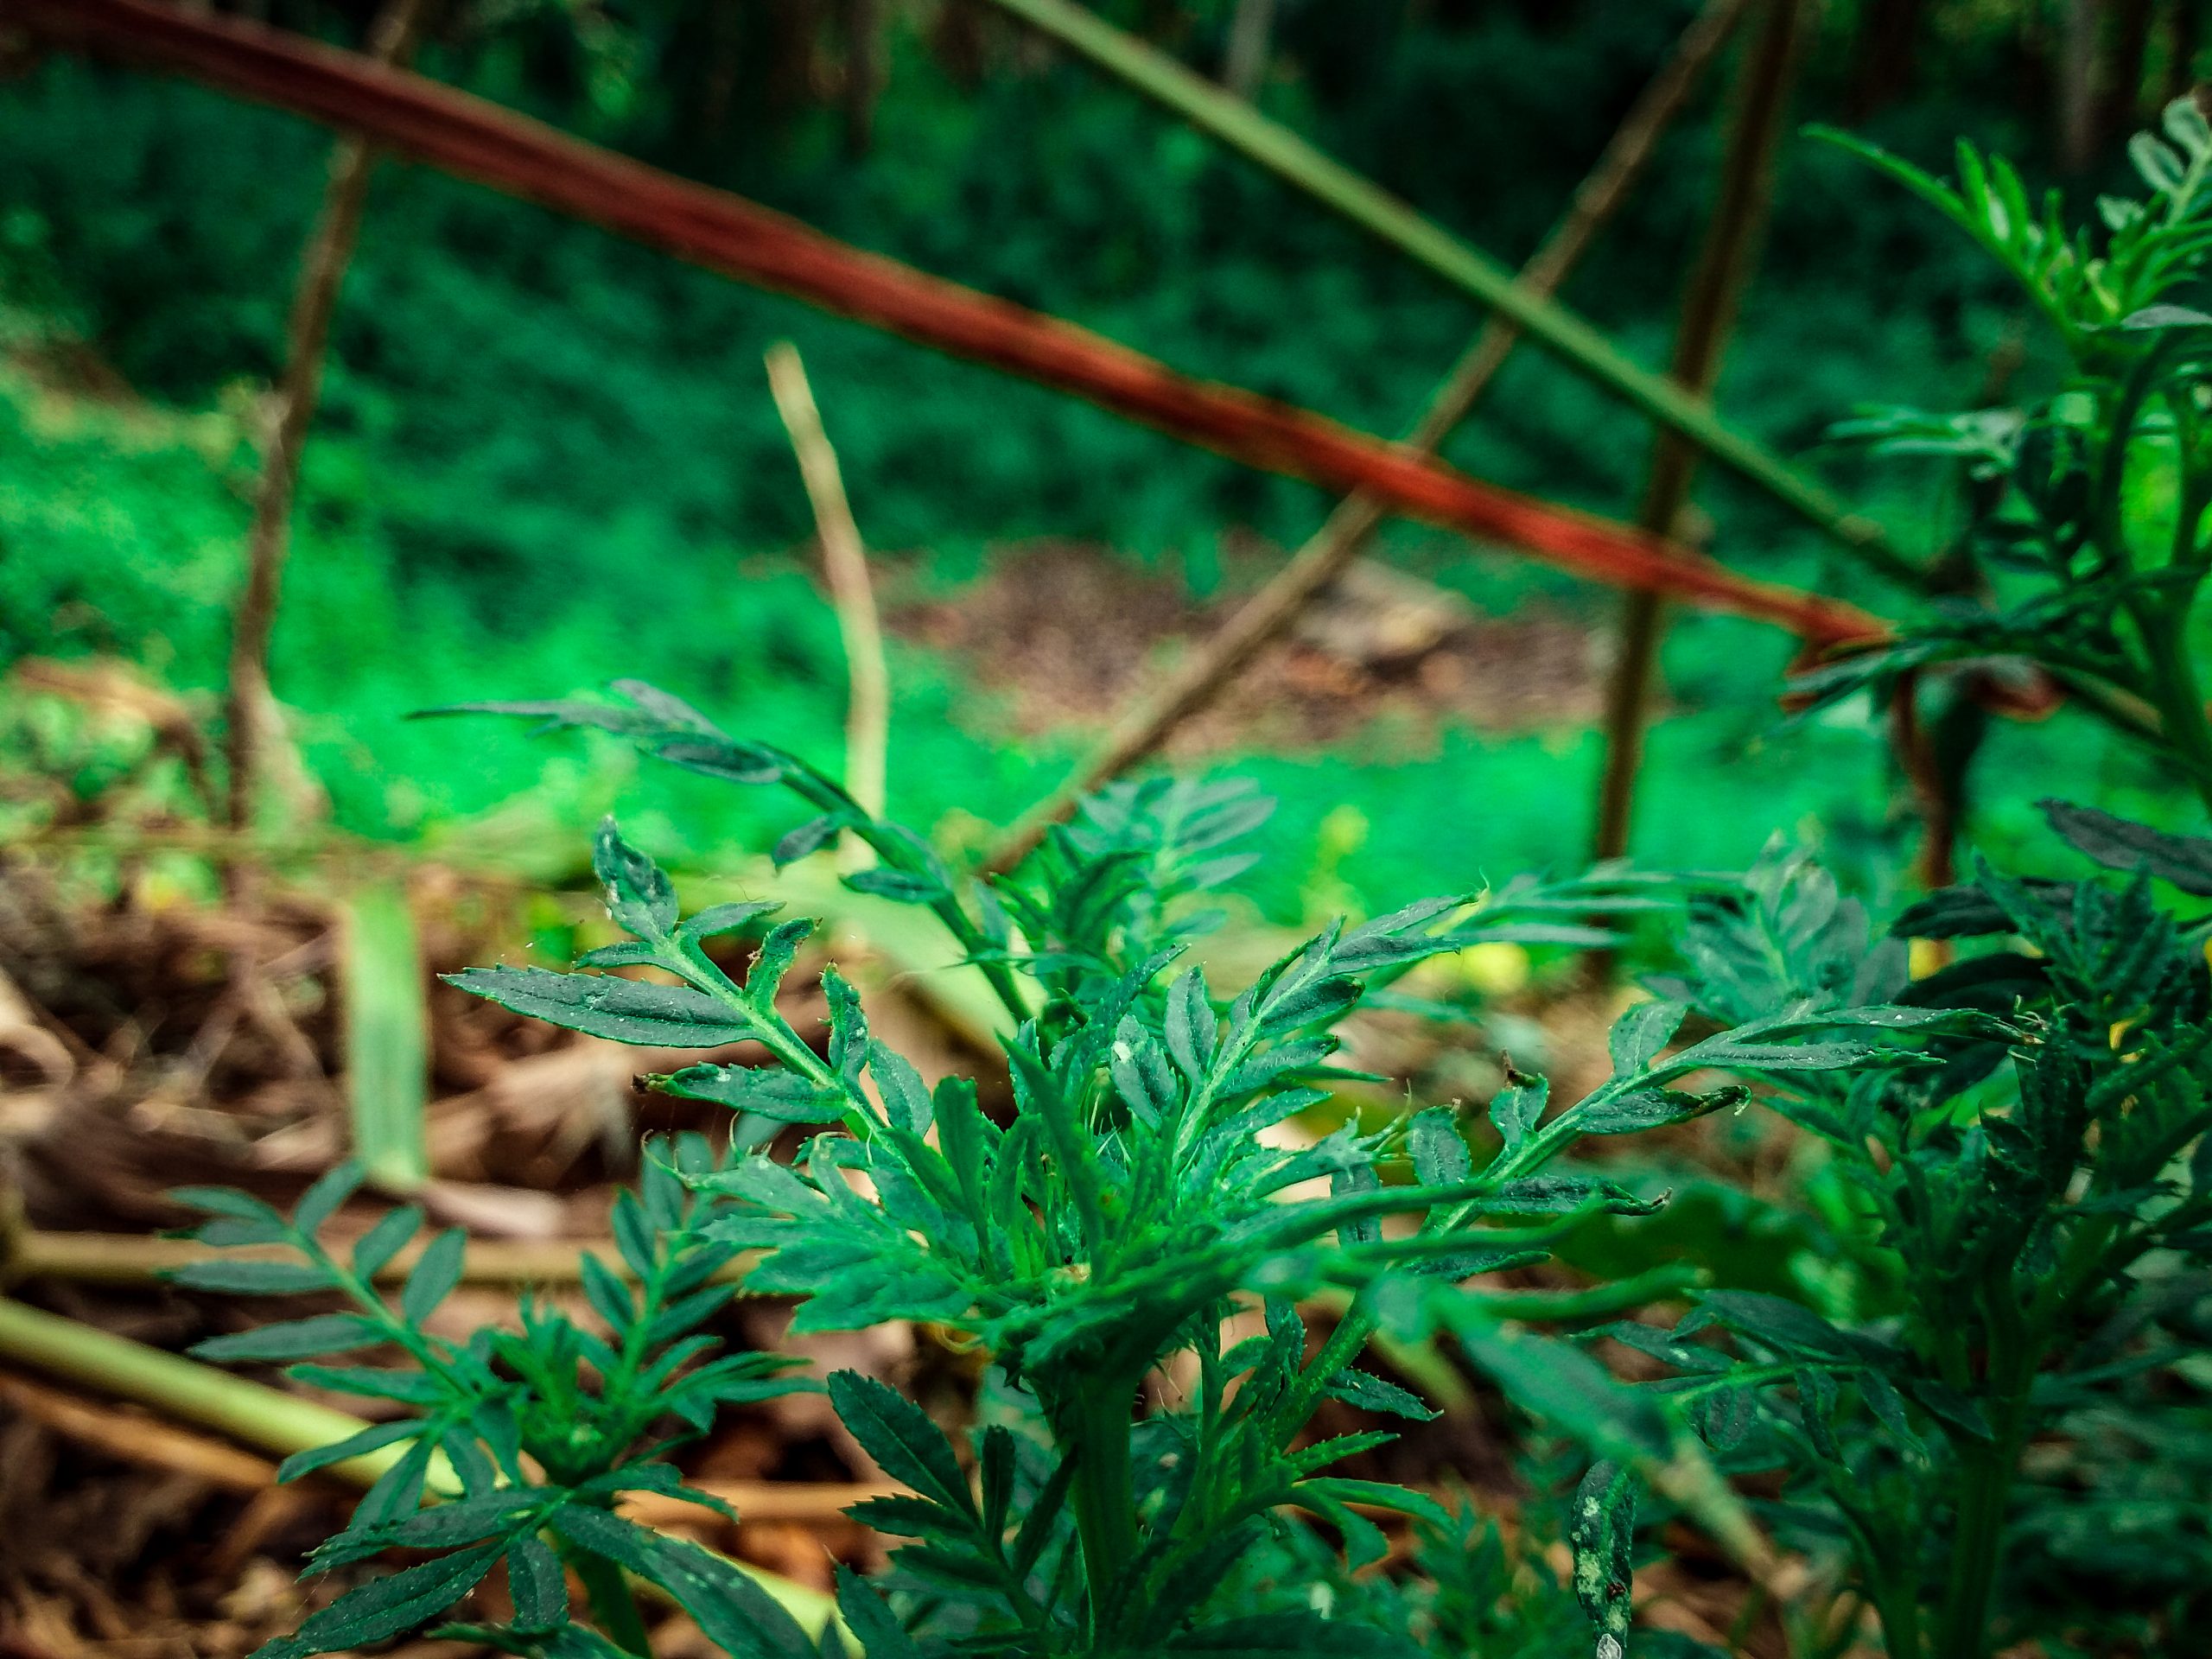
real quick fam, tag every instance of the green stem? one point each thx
(613, 1607)
(1274, 147)
(1102, 1493)
(1978, 1544)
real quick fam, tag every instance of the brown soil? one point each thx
(1061, 634)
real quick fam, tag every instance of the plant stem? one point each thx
(613, 1607)
(1712, 296)
(1103, 1494)
(251, 710)
(844, 560)
(1978, 1543)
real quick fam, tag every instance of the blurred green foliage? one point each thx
(547, 459)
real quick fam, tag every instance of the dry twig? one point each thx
(867, 709)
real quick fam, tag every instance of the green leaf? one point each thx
(373, 1250)
(1649, 1109)
(322, 1201)
(904, 1096)
(538, 1585)
(1191, 1027)
(372, 1438)
(1602, 1535)
(1439, 1152)
(434, 1277)
(778, 952)
(1515, 1108)
(223, 1201)
(2184, 860)
(253, 1278)
(330, 1333)
(388, 1606)
(639, 896)
(864, 1611)
(768, 1091)
(1640, 1033)
(1370, 1393)
(1786, 1326)
(621, 1010)
(609, 1297)
(732, 1611)
(900, 887)
(899, 1435)
(809, 837)
(718, 919)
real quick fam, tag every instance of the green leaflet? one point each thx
(622, 1010)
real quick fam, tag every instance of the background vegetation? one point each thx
(547, 459)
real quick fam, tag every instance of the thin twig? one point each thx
(1152, 718)
(251, 710)
(868, 709)
(1710, 303)
(119, 1259)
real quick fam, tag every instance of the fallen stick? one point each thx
(129, 1437)
(135, 1259)
(477, 140)
(1711, 298)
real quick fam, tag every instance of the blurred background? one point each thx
(544, 459)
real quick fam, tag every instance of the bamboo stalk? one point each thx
(867, 709)
(251, 721)
(1274, 147)
(251, 1414)
(723, 232)
(1151, 718)
(122, 1259)
(1711, 300)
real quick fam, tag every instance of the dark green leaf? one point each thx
(900, 1436)
(598, 1005)
(433, 1276)
(898, 885)
(538, 1585)
(374, 1250)
(330, 1333)
(253, 1278)
(1602, 1535)
(2118, 844)
(638, 894)
(766, 1091)
(388, 1606)
(1639, 1034)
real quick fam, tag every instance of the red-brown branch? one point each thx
(476, 140)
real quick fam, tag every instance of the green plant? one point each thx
(2021, 1246)
(2083, 546)
(1101, 1237)
(526, 1437)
